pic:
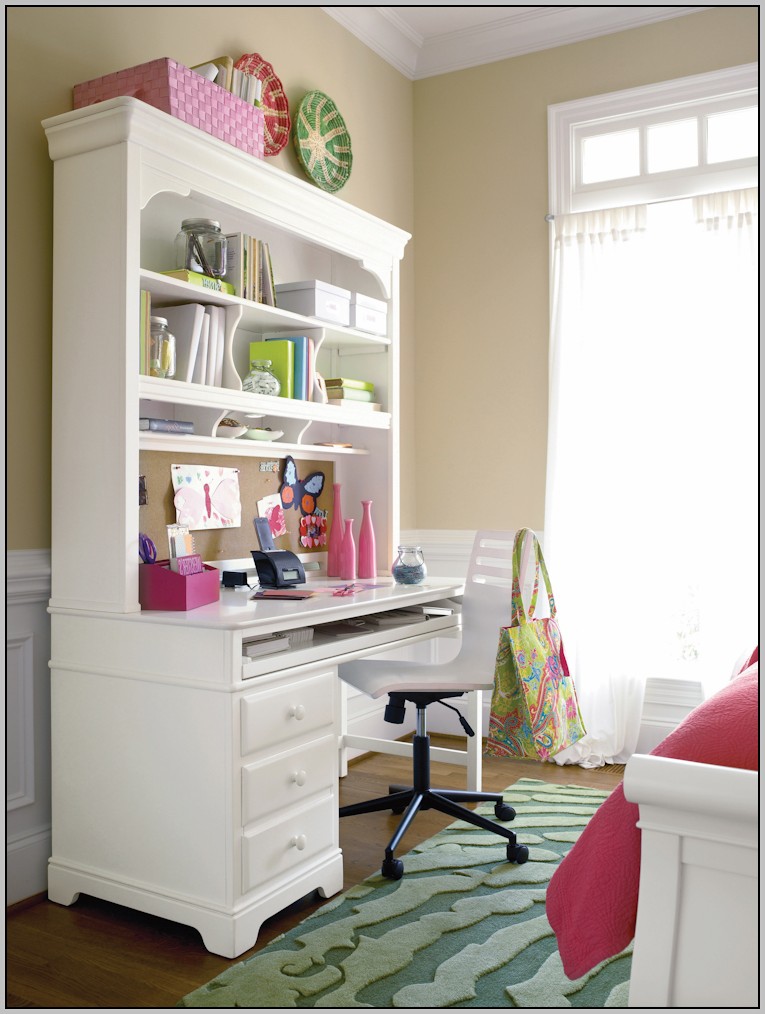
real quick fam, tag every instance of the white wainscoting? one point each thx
(665, 705)
(27, 642)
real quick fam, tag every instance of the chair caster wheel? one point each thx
(517, 854)
(393, 869)
(504, 811)
(399, 807)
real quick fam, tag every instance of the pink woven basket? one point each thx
(175, 89)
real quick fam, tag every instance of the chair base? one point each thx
(422, 797)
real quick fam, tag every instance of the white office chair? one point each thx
(486, 607)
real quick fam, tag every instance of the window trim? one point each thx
(569, 123)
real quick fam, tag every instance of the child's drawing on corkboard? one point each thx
(270, 507)
(206, 496)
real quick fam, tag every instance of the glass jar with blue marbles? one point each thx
(409, 566)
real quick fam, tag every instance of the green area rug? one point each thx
(463, 928)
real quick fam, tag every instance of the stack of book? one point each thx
(200, 337)
(249, 269)
(203, 281)
(165, 425)
(265, 645)
(347, 393)
(222, 71)
(300, 637)
(292, 358)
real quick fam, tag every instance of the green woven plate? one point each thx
(322, 142)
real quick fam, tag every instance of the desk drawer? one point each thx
(279, 848)
(277, 716)
(288, 778)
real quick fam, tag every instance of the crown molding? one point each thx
(514, 32)
(385, 33)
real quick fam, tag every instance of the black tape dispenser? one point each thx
(277, 568)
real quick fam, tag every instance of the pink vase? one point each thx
(367, 551)
(335, 534)
(348, 553)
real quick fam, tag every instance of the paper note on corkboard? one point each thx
(259, 478)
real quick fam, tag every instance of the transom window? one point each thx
(676, 139)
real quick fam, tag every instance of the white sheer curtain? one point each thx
(651, 509)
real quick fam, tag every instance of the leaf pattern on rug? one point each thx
(455, 979)
(463, 928)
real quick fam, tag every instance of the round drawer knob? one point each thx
(299, 841)
(297, 711)
(299, 777)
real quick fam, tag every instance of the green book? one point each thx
(358, 385)
(350, 393)
(205, 281)
(282, 355)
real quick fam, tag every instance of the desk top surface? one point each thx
(236, 608)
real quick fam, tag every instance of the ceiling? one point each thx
(424, 41)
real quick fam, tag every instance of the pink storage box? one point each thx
(161, 588)
(175, 89)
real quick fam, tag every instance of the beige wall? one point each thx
(482, 249)
(55, 48)
(467, 150)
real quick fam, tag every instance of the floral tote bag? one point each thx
(534, 707)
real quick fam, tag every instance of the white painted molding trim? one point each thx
(28, 573)
(447, 552)
(27, 644)
(512, 31)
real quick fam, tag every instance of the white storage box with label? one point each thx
(315, 299)
(368, 314)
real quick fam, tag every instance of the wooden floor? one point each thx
(97, 955)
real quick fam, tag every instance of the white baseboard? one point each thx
(26, 868)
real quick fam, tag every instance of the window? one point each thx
(693, 136)
(651, 523)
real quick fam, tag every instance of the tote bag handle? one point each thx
(519, 610)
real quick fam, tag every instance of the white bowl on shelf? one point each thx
(255, 433)
(230, 431)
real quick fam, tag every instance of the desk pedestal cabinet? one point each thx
(182, 796)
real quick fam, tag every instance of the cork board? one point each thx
(258, 477)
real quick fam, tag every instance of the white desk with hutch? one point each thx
(185, 783)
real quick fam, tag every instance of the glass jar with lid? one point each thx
(261, 379)
(162, 349)
(409, 566)
(200, 246)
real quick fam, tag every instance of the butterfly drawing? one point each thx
(302, 494)
(206, 497)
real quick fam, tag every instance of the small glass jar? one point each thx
(200, 246)
(409, 566)
(261, 379)
(162, 351)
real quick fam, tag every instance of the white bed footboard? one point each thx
(696, 940)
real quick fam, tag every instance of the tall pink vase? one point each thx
(348, 553)
(335, 533)
(367, 551)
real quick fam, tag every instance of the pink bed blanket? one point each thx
(593, 895)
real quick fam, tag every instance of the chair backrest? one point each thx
(487, 600)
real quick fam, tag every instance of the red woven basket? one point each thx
(177, 90)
